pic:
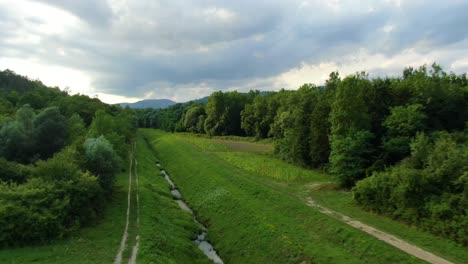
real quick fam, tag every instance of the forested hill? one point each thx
(165, 103)
(150, 103)
(58, 157)
(400, 143)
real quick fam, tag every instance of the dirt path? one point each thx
(137, 238)
(390, 239)
(118, 257)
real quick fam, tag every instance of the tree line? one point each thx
(399, 142)
(58, 157)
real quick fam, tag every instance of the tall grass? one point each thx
(267, 166)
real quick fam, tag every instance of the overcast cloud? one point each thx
(125, 50)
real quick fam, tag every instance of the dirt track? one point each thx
(118, 257)
(390, 239)
(123, 242)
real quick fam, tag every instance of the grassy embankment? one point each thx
(303, 183)
(166, 232)
(252, 219)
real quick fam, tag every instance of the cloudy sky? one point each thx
(122, 50)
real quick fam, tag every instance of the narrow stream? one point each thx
(204, 245)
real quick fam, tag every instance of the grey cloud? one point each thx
(96, 13)
(132, 47)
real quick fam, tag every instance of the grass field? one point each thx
(255, 219)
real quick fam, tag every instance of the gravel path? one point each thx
(390, 239)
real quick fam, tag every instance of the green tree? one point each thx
(25, 117)
(76, 127)
(13, 172)
(216, 114)
(192, 117)
(320, 124)
(14, 144)
(101, 160)
(50, 132)
(350, 130)
(428, 189)
(401, 125)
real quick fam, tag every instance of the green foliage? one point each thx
(444, 96)
(428, 189)
(31, 137)
(50, 132)
(118, 130)
(76, 127)
(13, 172)
(401, 125)
(14, 144)
(293, 138)
(350, 130)
(349, 108)
(53, 197)
(82, 105)
(193, 117)
(57, 200)
(350, 156)
(405, 120)
(223, 112)
(353, 127)
(256, 118)
(319, 131)
(25, 117)
(101, 160)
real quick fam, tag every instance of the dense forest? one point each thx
(400, 143)
(58, 158)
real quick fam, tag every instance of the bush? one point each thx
(57, 200)
(13, 172)
(349, 157)
(101, 160)
(428, 189)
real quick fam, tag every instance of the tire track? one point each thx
(123, 242)
(137, 196)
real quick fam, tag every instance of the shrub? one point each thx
(57, 199)
(428, 189)
(101, 161)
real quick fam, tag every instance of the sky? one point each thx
(125, 51)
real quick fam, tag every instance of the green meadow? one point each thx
(254, 220)
(265, 198)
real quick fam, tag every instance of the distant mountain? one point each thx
(200, 100)
(150, 103)
(165, 103)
